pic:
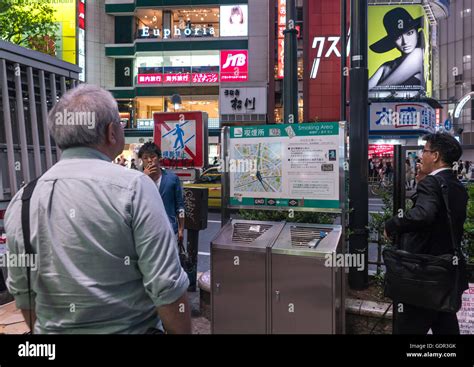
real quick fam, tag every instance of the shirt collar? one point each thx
(84, 153)
(439, 170)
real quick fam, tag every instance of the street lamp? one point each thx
(176, 101)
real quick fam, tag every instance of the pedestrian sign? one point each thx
(448, 125)
(182, 138)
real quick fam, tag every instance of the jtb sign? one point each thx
(234, 66)
(182, 138)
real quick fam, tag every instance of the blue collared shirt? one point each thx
(172, 195)
(106, 254)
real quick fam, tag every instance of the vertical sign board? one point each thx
(281, 38)
(182, 138)
(323, 59)
(81, 42)
(293, 166)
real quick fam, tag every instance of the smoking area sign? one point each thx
(182, 138)
(296, 166)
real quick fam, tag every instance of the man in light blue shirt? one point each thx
(103, 263)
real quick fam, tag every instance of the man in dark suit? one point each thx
(167, 183)
(424, 229)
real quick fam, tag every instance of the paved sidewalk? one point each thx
(12, 322)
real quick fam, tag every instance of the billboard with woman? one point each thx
(399, 49)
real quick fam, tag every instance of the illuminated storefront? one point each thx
(187, 51)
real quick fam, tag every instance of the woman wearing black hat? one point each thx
(403, 33)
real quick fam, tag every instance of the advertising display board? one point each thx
(399, 49)
(294, 166)
(234, 20)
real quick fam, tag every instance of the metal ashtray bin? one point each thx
(239, 276)
(306, 295)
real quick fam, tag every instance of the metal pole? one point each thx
(358, 140)
(398, 182)
(290, 81)
(20, 113)
(8, 128)
(34, 121)
(225, 190)
(54, 97)
(192, 248)
(343, 60)
(44, 118)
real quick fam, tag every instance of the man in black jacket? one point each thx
(424, 229)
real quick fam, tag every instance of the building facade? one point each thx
(455, 76)
(209, 56)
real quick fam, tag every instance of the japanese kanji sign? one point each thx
(195, 78)
(182, 138)
(243, 101)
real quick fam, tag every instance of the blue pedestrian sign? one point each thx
(448, 125)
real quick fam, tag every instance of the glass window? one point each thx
(208, 104)
(147, 106)
(177, 23)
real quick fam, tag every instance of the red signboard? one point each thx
(150, 78)
(323, 60)
(380, 150)
(205, 77)
(197, 78)
(176, 78)
(182, 138)
(82, 13)
(234, 66)
(281, 38)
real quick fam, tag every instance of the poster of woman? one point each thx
(397, 48)
(234, 21)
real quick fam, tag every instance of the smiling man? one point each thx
(424, 229)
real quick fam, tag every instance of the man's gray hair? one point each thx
(81, 116)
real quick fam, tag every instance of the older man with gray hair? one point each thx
(107, 256)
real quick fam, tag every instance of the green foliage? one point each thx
(377, 220)
(29, 24)
(468, 242)
(279, 216)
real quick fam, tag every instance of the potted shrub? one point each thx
(468, 242)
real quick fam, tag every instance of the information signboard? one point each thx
(297, 166)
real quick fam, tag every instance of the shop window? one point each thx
(177, 23)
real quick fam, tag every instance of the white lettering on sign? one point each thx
(167, 32)
(235, 60)
(319, 44)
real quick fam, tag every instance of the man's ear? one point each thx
(110, 134)
(437, 157)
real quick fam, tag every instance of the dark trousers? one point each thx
(3, 287)
(417, 320)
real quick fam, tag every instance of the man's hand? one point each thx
(176, 317)
(420, 175)
(180, 235)
(150, 170)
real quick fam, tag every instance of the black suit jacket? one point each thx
(424, 229)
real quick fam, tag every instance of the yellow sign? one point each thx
(399, 57)
(66, 17)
